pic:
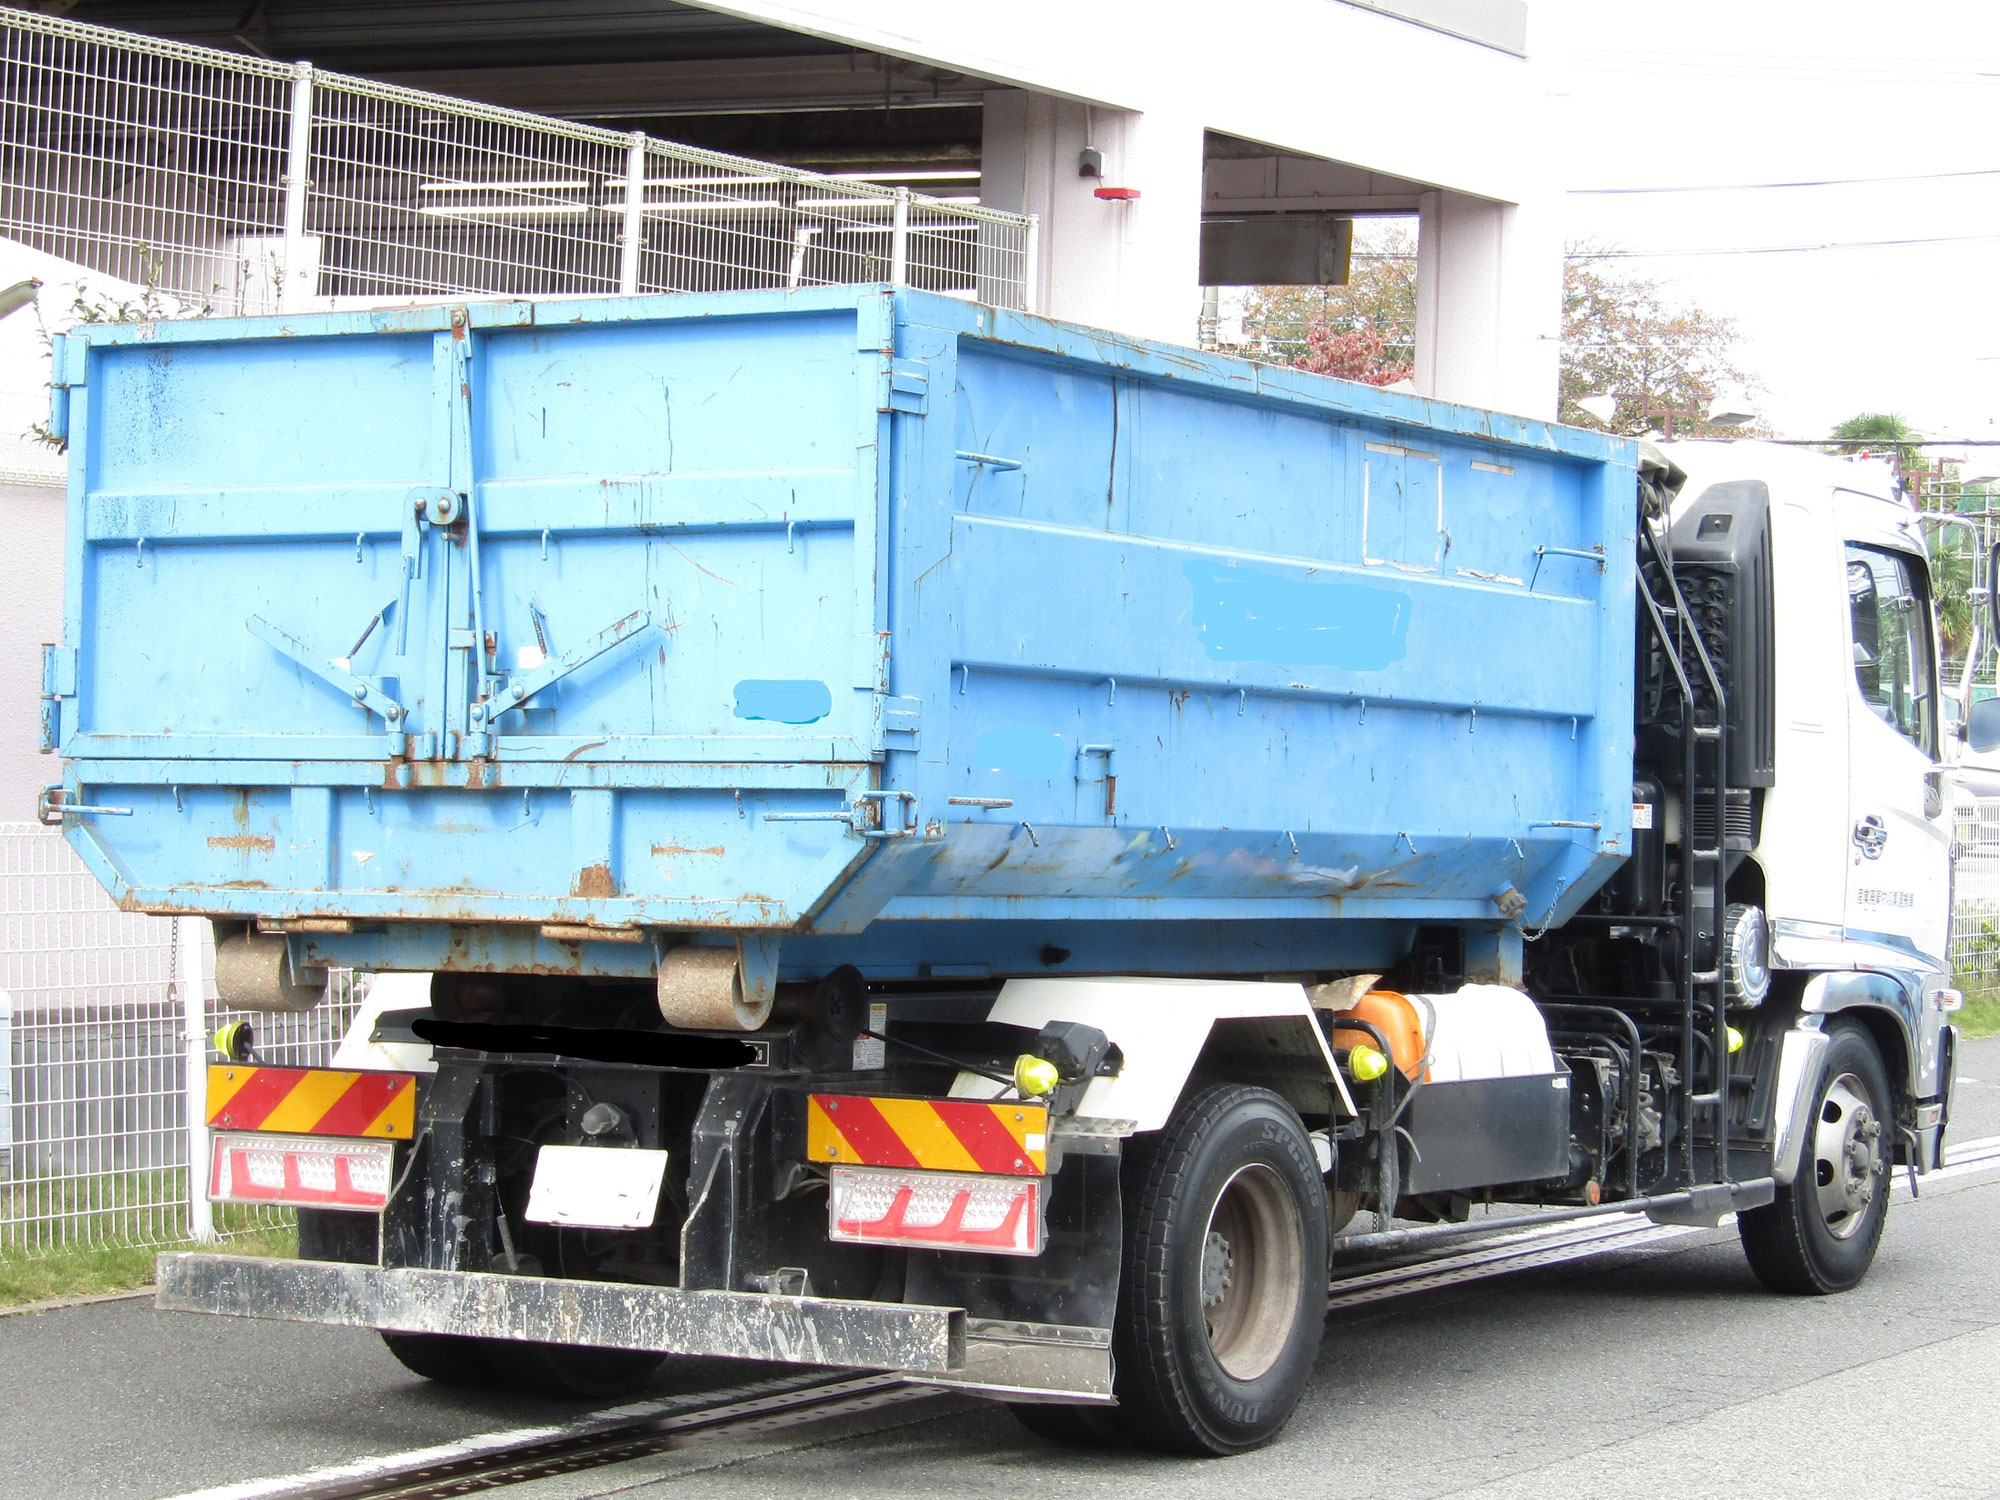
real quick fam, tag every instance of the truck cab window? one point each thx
(1888, 603)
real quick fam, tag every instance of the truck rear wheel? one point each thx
(445, 1358)
(1819, 1235)
(571, 1370)
(1222, 1299)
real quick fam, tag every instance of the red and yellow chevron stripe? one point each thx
(937, 1135)
(312, 1101)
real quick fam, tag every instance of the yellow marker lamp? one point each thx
(235, 1041)
(1735, 1041)
(1035, 1076)
(1366, 1064)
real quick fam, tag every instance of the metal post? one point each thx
(194, 1032)
(6, 1077)
(635, 215)
(292, 294)
(1031, 263)
(899, 239)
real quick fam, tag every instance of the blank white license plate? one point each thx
(596, 1187)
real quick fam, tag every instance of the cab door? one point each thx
(1899, 841)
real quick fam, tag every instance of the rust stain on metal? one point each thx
(668, 850)
(243, 843)
(595, 881)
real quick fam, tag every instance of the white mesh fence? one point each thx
(1975, 928)
(218, 182)
(98, 1032)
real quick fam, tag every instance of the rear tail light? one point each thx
(300, 1171)
(936, 1210)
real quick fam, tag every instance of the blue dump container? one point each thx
(908, 633)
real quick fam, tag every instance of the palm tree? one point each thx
(1873, 429)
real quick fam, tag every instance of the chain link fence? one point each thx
(102, 1014)
(223, 183)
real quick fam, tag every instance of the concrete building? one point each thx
(1276, 107)
(1138, 133)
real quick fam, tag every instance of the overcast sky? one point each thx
(1671, 93)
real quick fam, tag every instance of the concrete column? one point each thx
(1489, 303)
(1131, 267)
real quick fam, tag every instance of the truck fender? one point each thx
(358, 1047)
(1161, 1026)
(1799, 1056)
(1890, 1008)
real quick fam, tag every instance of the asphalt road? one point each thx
(1663, 1372)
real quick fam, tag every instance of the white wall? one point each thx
(1405, 111)
(31, 521)
(1489, 303)
(1314, 76)
(1132, 266)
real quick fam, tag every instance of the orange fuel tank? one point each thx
(1398, 1020)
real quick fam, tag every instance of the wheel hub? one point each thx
(1252, 1272)
(1848, 1161)
(1218, 1269)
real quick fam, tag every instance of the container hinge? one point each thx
(58, 683)
(69, 363)
(907, 387)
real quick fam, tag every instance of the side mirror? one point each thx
(1992, 582)
(1982, 725)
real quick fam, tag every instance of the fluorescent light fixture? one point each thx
(969, 175)
(503, 210)
(568, 185)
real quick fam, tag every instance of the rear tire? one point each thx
(570, 1370)
(444, 1358)
(1820, 1234)
(1222, 1300)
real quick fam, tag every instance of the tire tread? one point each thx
(1155, 1404)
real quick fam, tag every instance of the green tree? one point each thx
(1622, 334)
(1872, 429)
(1663, 361)
(1365, 330)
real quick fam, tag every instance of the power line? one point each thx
(1752, 187)
(1590, 255)
(1936, 239)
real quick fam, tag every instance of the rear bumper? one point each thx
(933, 1344)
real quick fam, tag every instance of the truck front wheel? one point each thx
(1223, 1294)
(1820, 1233)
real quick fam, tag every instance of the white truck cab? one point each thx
(1853, 834)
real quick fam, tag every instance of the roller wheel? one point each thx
(1222, 1299)
(1820, 1233)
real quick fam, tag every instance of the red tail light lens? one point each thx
(936, 1210)
(300, 1171)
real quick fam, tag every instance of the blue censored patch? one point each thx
(783, 702)
(1039, 754)
(1248, 614)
